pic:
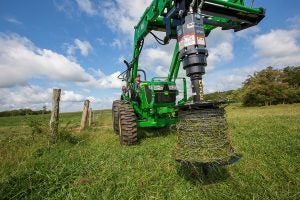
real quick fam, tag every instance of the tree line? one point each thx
(267, 87)
(22, 112)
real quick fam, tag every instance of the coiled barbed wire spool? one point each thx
(203, 137)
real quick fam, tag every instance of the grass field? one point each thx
(92, 164)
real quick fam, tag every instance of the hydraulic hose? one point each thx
(200, 6)
(192, 6)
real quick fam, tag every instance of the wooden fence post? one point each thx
(84, 114)
(93, 117)
(54, 121)
(90, 117)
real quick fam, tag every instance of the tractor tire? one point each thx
(127, 125)
(115, 115)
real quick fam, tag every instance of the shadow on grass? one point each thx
(204, 175)
(144, 133)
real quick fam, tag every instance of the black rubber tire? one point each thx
(127, 125)
(115, 115)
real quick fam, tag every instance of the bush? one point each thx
(272, 86)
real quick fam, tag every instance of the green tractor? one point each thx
(153, 103)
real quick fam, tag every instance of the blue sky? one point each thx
(79, 45)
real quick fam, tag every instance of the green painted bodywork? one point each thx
(149, 113)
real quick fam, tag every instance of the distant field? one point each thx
(92, 164)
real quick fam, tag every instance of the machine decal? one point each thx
(201, 40)
(187, 40)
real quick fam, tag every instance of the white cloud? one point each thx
(71, 96)
(65, 6)
(71, 7)
(32, 94)
(123, 15)
(222, 80)
(278, 47)
(24, 97)
(29, 94)
(277, 43)
(220, 48)
(157, 54)
(116, 43)
(86, 6)
(103, 102)
(246, 33)
(21, 60)
(13, 20)
(294, 22)
(83, 46)
(102, 80)
(157, 60)
(106, 100)
(161, 71)
(101, 41)
(35, 97)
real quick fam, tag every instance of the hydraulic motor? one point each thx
(193, 52)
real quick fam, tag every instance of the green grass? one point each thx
(95, 166)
